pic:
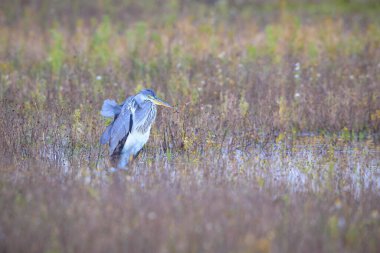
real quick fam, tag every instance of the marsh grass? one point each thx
(273, 146)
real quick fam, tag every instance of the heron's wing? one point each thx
(121, 126)
(106, 135)
(110, 108)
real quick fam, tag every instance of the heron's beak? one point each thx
(158, 101)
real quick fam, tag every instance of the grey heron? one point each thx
(130, 128)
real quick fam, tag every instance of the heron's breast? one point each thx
(135, 141)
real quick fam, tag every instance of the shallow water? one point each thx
(300, 167)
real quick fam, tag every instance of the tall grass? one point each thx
(273, 146)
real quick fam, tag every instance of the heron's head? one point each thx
(149, 94)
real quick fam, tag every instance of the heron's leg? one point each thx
(137, 154)
(124, 159)
(132, 158)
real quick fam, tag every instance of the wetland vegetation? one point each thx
(273, 146)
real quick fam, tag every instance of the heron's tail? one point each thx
(110, 108)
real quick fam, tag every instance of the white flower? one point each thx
(221, 55)
(98, 78)
(297, 66)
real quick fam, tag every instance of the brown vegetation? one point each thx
(273, 147)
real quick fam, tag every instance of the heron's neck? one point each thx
(140, 100)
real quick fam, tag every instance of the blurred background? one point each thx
(274, 146)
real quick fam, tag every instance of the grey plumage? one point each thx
(145, 116)
(110, 108)
(120, 126)
(130, 129)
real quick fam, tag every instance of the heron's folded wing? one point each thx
(121, 127)
(109, 109)
(106, 134)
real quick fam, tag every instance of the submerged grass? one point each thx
(273, 147)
